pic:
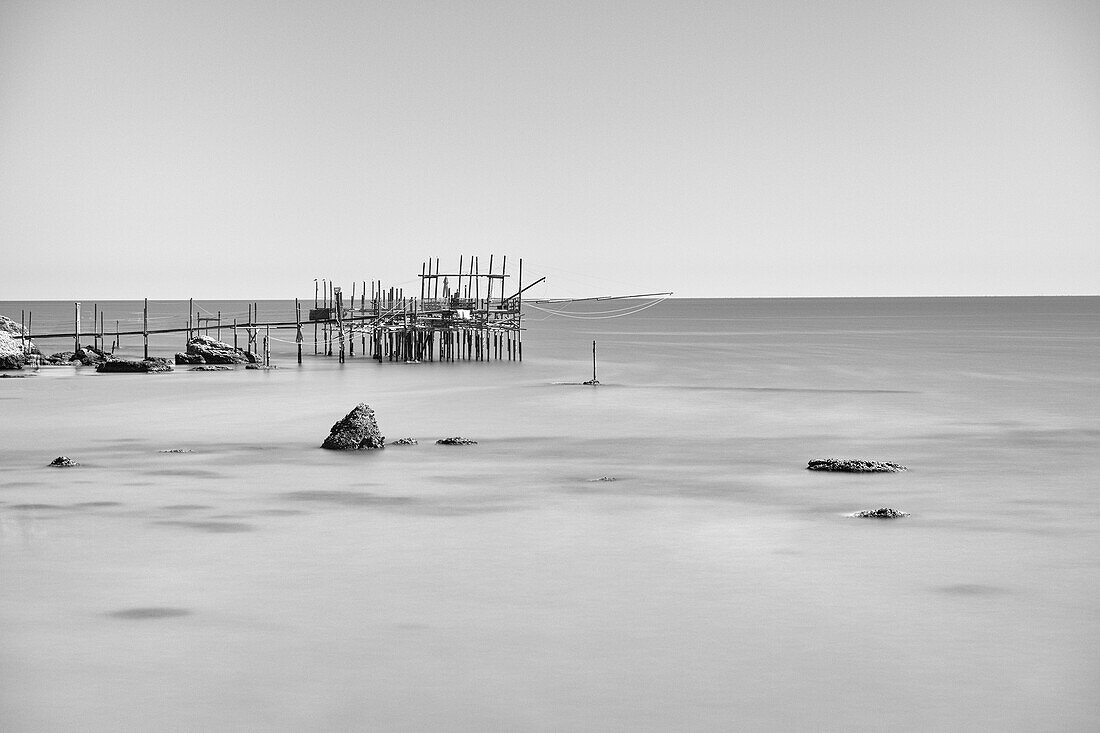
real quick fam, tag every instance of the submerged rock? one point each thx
(405, 441)
(456, 441)
(213, 351)
(63, 462)
(854, 465)
(211, 368)
(358, 430)
(261, 367)
(176, 450)
(881, 513)
(603, 478)
(120, 366)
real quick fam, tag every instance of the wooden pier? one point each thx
(463, 315)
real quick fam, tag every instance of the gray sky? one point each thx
(240, 149)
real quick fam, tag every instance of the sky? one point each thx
(239, 149)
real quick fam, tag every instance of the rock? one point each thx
(90, 356)
(63, 462)
(120, 366)
(854, 465)
(10, 327)
(213, 351)
(211, 368)
(182, 359)
(604, 478)
(356, 431)
(11, 352)
(455, 441)
(261, 367)
(61, 357)
(881, 513)
(176, 450)
(405, 441)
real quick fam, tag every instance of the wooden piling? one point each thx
(298, 323)
(145, 328)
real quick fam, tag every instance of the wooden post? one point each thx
(298, 320)
(190, 315)
(315, 322)
(519, 313)
(267, 345)
(95, 325)
(118, 339)
(219, 325)
(234, 333)
(339, 321)
(101, 330)
(145, 327)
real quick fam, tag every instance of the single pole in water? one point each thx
(298, 318)
(593, 381)
(311, 317)
(145, 327)
(267, 345)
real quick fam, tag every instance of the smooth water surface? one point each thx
(255, 582)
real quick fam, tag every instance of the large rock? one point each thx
(120, 366)
(11, 352)
(357, 431)
(854, 465)
(182, 359)
(90, 356)
(213, 351)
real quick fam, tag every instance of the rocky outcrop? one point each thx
(91, 356)
(63, 462)
(11, 352)
(213, 351)
(881, 513)
(456, 441)
(405, 441)
(358, 430)
(854, 465)
(61, 357)
(183, 359)
(122, 366)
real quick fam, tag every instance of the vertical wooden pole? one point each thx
(76, 330)
(298, 321)
(267, 345)
(315, 322)
(101, 330)
(519, 313)
(145, 327)
(234, 333)
(219, 325)
(118, 339)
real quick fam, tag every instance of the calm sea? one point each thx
(259, 583)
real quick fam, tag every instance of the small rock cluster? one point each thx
(456, 441)
(854, 465)
(63, 462)
(405, 441)
(881, 513)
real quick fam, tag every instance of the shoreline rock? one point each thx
(358, 430)
(63, 462)
(212, 351)
(125, 366)
(854, 465)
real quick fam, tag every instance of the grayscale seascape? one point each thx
(252, 581)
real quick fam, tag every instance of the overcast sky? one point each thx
(767, 148)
